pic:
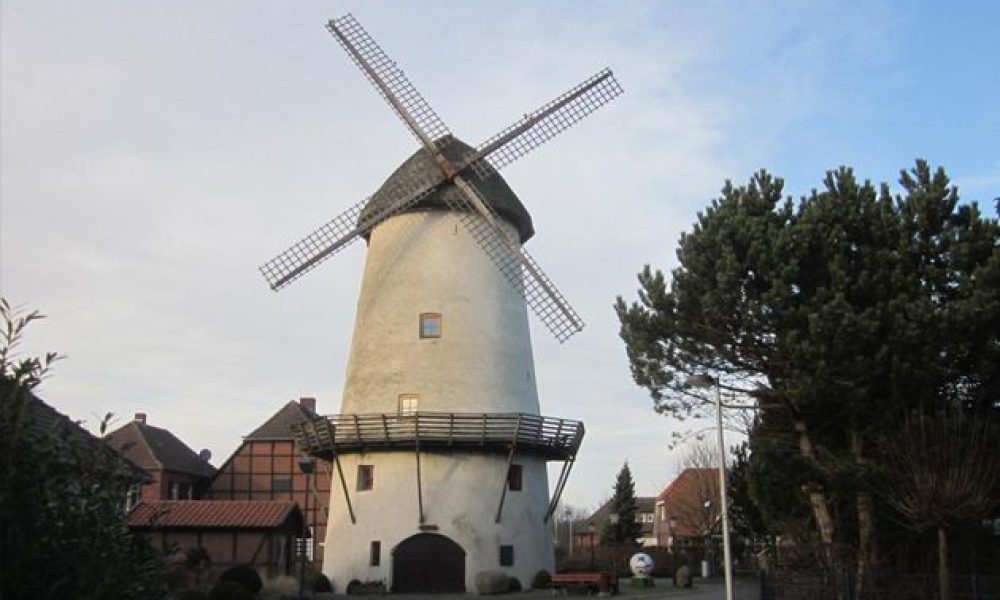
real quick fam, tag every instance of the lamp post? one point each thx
(590, 529)
(306, 464)
(707, 381)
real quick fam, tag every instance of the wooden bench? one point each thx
(593, 582)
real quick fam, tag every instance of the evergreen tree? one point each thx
(836, 316)
(623, 528)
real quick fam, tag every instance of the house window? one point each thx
(408, 404)
(430, 325)
(175, 491)
(132, 496)
(506, 556)
(375, 553)
(282, 484)
(514, 478)
(366, 477)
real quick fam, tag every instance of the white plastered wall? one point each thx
(426, 262)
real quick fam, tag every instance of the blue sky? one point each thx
(153, 154)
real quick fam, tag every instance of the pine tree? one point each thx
(624, 529)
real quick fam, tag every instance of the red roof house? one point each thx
(230, 532)
(687, 510)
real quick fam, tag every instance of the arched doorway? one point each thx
(428, 562)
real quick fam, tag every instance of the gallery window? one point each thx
(514, 474)
(408, 404)
(506, 556)
(430, 325)
(366, 477)
(375, 553)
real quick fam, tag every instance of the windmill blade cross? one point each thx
(514, 262)
(338, 233)
(389, 80)
(547, 122)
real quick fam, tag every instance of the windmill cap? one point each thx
(421, 166)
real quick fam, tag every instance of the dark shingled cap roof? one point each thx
(421, 166)
(155, 448)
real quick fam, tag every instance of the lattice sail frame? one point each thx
(479, 218)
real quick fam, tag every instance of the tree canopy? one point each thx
(835, 316)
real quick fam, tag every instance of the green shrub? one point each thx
(230, 590)
(245, 575)
(542, 580)
(318, 582)
(515, 584)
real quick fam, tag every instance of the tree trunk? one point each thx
(866, 530)
(817, 499)
(943, 563)
(866, 519)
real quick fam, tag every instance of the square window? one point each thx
(408, 404)
(282, 484)
(430, 325)
(514, 478)
(366, 477)
(506, 556)
(375, 553)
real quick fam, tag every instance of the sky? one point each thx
(153, 154)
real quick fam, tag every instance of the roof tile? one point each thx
(222, 514)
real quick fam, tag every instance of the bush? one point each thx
(244, 575)
(492, 582)
(318, 582)
(231, 590)
(514, 584)
(542, 580)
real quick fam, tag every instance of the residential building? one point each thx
(258, 533)
(266, 467)
(176, 471)
(687, 510)
(584, 536)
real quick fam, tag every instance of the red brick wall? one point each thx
(259, 470)
(268, 551)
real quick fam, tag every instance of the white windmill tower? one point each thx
(440, 448)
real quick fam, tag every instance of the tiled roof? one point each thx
(155, 448)
(646, 504)
(215, 514)
(278, 426)
(685, 498)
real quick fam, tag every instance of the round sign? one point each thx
(641, 565)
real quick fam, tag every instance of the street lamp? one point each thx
(702, 380)
(307, 465)
(590, 529)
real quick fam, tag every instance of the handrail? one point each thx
(550, 436)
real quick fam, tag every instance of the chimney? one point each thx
(140, 418)
(309, 403)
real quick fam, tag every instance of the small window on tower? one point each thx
(366, 477)
(430, 325)
(375, 553)
(506, 556)
(514, 478)
(408, 404)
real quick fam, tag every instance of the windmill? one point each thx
(440, 400)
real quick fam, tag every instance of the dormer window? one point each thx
(430, 325)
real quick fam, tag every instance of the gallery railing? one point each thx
(553, 438)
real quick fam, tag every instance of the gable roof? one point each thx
(645, 504)
(44, 421)
(684, 500)
(278, 427)
(215, 514)
(155, 448)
